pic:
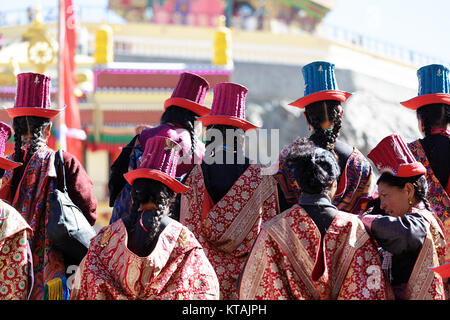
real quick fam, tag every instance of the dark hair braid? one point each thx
(421, 190)
(143, 191)
(318, 112)
(23, 126)
(184, 118)
(432, 115)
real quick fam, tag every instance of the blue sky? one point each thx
(423, 26)
(419, 25)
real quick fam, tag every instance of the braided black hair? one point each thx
(142, 192)
(419, 183)
(184, 118)
(318, 112)
(313, 168)
(23, 126)
(434, 115)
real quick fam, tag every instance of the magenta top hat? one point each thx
(434, 87)
(228, 107)
(33, 97)
(320, 85)
(159, 162)
(5, 134)
(392, 155)
(190, 93)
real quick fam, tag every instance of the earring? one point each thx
(410, 202)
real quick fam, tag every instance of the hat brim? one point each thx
(338, 95)
(187, 104)
(228, 121)
(8, 164)
(411, 169)
(419, 101)
(442, 270)
(33, 111)
(160, 176)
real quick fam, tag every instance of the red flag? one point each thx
(72, 129)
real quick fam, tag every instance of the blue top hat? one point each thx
(320, 84)
(434, 87)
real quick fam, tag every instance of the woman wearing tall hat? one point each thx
(433, 114)
(15, 253)
(313, 251)
(409, 233)
(27, 187)
(323, 112)
(229, 198)
(178, 122)
(147, 255)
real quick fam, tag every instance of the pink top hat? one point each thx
(228, 107)
(392, 155)
(33, 97)
(5, 134)
(190, 93)
(159, 162)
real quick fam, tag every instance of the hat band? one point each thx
(187, 104)
(33, 111)
(228, 121)
(154, 174)
(338, 95)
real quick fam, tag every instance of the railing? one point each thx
(136, 47)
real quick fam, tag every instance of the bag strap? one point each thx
(59, 165)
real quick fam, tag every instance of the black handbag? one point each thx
(68, 229)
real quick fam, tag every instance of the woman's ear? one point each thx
(410, 191)
(333, 189)
(420, 125)
(48, 130)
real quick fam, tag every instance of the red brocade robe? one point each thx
(228, 229)
(13, 254)
(176, 269)
(289, 260)
(424, 284)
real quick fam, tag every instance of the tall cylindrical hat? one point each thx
(33, 97)
(320, 85)
(190, 94)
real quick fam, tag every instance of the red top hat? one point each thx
(159, 162)
(190, 93)
(392, 155)
(33, 97)
(228, 107)
(5, 134)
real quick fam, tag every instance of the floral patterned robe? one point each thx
(289, 260)
(14, 267)
(437, 196)
(228, 228)
(177, 268)
(31, 201)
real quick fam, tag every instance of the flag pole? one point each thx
(60, 120)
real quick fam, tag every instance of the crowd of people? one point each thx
(194, 219)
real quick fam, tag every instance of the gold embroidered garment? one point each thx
(289, 260)
(177, 268)
(228, 229)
